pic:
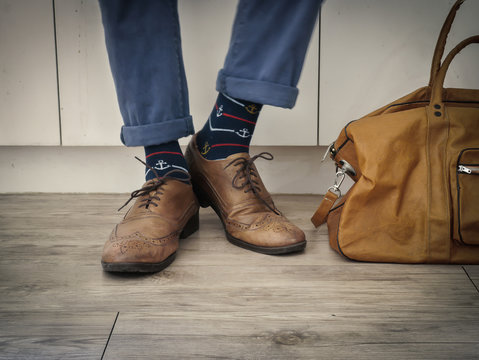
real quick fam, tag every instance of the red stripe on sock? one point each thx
(216, 145)
(238, 118)
(164, 152)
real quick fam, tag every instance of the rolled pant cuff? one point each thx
(158, 133)
(261, 92)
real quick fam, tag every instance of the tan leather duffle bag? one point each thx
(415, 164)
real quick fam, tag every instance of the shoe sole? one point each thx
(138, 267)
(141, 267)
(278, 250)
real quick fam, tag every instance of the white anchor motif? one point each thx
(219, 111)
(244, 133)
(161, 165)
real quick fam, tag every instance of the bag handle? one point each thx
(441, 41)
(438, 84)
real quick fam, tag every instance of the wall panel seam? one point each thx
(57, 73)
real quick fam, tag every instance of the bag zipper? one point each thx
(470, 169)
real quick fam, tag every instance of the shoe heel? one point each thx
(191, 226)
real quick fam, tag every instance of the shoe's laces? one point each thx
(155, 186)
(248, 173)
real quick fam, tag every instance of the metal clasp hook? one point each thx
(340, 175)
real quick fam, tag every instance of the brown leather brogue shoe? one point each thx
(233, 188)
(146, 240)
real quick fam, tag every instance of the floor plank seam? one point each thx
(109, 336)
(473, 283)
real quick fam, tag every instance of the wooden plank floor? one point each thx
(217, 300)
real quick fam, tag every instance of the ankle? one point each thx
(229, 128)
(163, 159)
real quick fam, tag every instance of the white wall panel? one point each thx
(88, 105)
(110, 169)
(375, 51)
(28, 87)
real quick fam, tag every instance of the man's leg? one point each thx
(265, 58)
(144, 49)
(267, 51)
(263, 65)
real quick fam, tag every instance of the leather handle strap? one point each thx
(441, 41)
(437, 87)
(321, 214)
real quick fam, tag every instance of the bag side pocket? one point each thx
(467, 207)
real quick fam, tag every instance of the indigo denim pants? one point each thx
(263, 64)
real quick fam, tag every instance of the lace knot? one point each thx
(248, 172)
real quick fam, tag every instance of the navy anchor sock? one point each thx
(164, 158)
(229, 128)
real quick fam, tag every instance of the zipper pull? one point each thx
(464, 170)
(329, 150)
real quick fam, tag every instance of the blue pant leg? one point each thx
(144, 49)
(267, 50)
